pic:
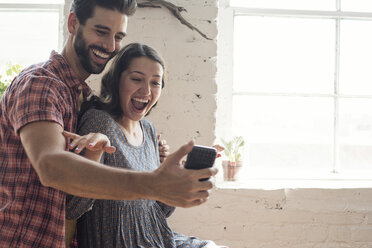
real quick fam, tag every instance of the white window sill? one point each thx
(271, 184)
(304, 179)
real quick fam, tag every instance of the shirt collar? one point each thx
(67, 75)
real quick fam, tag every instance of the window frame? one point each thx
(225, 65)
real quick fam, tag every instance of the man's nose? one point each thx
(109, 44)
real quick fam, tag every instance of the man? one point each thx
(36, 168)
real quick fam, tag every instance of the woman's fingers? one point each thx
(219, 150)
(91, 141)
(70, 135)
(100, 142)
(109, 149)
(163, 149)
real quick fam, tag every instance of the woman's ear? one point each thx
(72, 23)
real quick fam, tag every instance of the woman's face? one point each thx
(140, 87)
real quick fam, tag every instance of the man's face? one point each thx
(98, 40)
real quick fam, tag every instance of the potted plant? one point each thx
(233, 151)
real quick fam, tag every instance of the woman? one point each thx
(130, 90)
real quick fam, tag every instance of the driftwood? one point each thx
(175, 10)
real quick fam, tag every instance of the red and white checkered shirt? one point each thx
(32, 215)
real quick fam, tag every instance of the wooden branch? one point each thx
(175, 10)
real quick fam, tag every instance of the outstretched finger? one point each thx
(218, 148)
(81, 144)
(96, 142)
(101, 142)
(181, 152)
(109, 149)
(70, 135)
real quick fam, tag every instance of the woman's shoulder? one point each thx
(147, 124)
(149, 128)
(97, 119)
(96, 114)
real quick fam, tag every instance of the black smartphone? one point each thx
(201, 157)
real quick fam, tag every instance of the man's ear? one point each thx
(72, 23)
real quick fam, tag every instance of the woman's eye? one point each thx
(156, 83)
(136, 79)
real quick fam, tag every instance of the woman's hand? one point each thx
(219, 150)
(95, 142)
(163, 149)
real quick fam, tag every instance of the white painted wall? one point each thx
(284, 218)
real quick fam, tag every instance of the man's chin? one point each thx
(96, 69)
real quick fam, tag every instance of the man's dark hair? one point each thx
(109, 99)
(84, 8)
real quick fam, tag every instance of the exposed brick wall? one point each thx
(287, 218)
(187, 106)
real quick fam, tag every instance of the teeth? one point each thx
(101, 54)
(141, 100)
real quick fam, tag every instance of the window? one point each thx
(30, 30)
(302, 87)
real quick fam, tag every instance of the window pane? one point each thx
(356, 5)
(287, 4)
(292, 55)
(356, 57)
(355, 149)
(27, 37)
(288, 134)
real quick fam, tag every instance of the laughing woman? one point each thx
(130, 89)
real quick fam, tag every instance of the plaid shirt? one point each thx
(32, 215)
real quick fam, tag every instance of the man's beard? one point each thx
(82, 52)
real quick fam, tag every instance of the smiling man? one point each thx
(36, 169)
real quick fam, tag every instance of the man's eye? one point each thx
(99, 32)
(118, 38)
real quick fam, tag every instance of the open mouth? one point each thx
(101, 56)
(139, 104)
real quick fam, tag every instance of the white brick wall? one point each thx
(287, 218)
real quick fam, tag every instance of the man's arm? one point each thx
(57, 168)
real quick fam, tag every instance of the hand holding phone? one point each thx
(201, 157)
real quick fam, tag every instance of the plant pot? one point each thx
(230, 170)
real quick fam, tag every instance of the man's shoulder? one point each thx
(42, 72)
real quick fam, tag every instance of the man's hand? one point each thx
(163, 149)
(179, 187)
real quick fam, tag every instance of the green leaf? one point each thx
(234, 148)
(7, 76)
